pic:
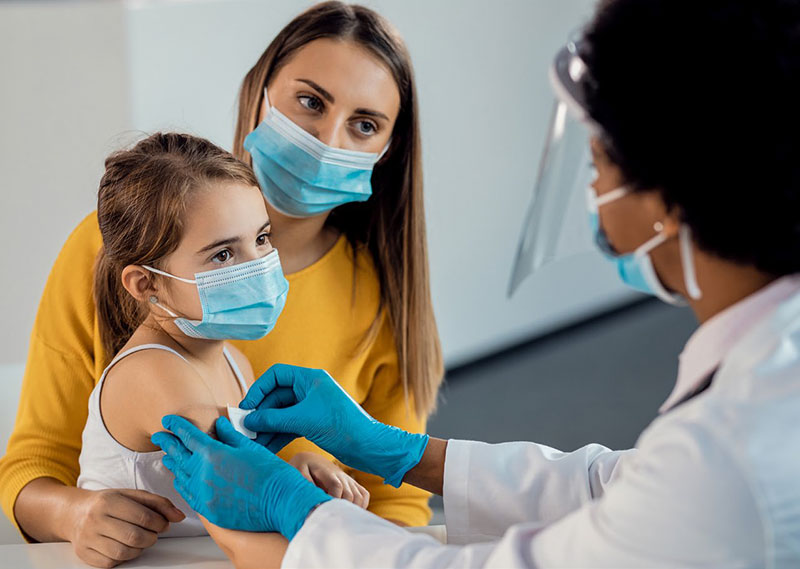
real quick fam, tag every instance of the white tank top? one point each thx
(105, 463)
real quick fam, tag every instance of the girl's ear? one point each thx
(138, 282)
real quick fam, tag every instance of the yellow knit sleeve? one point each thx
(387, 403)
(59, 374)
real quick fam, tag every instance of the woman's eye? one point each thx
(222, 257)
(366, 127)
(311, 102)
(262, 239)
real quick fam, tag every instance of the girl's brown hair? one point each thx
(141, 203)
(392, 223)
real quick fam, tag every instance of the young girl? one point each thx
(356, 262)
(186, 264)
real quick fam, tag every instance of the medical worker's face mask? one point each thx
(300, 175)
(636, 269)
(239, 302)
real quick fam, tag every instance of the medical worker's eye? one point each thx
(311, 102)
(262, 239)
(366, 128)
(222, 257)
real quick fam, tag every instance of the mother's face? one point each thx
(339, 92)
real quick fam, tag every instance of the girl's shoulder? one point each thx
(144, 386)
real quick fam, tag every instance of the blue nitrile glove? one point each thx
(291, 401)
(234, 482)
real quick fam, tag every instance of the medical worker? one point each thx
(691, 109)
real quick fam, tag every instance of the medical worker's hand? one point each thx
(291, 401)
(234, 482)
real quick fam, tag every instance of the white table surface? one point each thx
(193, 552)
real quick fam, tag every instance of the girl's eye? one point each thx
(222, 257)
(311, 102)
(367, 128)
(262, 239)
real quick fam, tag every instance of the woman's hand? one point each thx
(107, 527)
(248, 549)
(326, 475)
(291, 401)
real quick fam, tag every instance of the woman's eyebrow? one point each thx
(330, 98)
(325, 94)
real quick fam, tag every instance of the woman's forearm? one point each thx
(429, 473)
(41, 508)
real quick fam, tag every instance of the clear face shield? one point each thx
(555, 225)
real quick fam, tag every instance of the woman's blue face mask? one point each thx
(636, 269)
(300, 175)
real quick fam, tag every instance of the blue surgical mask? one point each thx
(636, 269)
(300, 175)
(241, 302)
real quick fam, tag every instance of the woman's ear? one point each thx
(138, 282)
(668, 218)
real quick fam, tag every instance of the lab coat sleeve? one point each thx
(488, 488)
(670, 507)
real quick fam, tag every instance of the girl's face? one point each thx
(338, 92)
(226, 224)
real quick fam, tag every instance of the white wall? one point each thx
(77, 77)
(64, 98)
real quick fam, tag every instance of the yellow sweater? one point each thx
(322, 325)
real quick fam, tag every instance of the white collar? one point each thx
(708, 346)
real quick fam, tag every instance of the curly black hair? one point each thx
(700, 100)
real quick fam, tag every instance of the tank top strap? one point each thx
(236, 371)
(135, 349)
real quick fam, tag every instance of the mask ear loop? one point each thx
(154, 299)
(687, 262)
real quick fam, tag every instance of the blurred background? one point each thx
(573, 357)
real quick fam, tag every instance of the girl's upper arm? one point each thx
(147, 385)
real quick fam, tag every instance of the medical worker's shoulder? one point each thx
(146, 385)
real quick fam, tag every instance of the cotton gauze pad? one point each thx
(236, 417)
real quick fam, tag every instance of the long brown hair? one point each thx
(141, 203)
(391, 224)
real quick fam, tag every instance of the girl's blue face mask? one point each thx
(300, 175)
(241, 302)
(636, 269)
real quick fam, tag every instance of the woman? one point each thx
(359, 302)
(684, 210)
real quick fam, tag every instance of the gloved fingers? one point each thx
(228, 435)
(275, 442)
(182, 487)
(175, 449)
(192, 438)
(273, 420)
(279, 375)
(278, 398)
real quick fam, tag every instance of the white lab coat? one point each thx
(714, 482)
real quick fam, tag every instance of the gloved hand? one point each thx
(291, 401)
(234, 482)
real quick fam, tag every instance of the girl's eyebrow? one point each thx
(229, 240)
